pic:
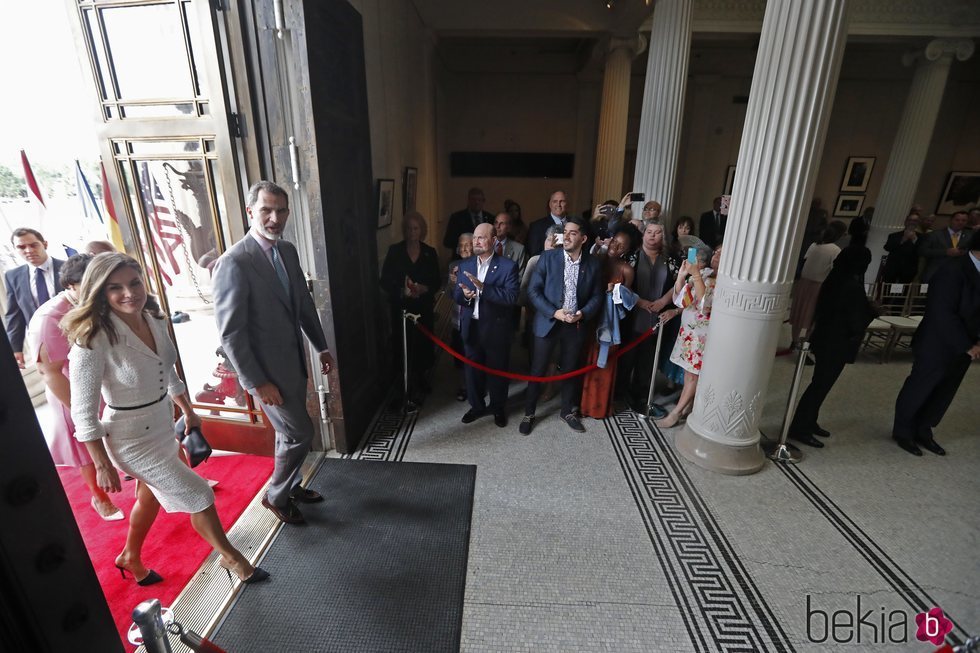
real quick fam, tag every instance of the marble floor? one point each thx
(610, 541)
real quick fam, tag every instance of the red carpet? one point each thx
(173, 548)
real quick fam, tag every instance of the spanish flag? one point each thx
(112, 225)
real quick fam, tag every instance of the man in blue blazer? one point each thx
(566, 291)
(29, 285)
(487, 288)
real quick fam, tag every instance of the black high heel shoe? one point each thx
(151, 578)
(258, 575)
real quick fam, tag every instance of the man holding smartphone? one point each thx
(566, 292)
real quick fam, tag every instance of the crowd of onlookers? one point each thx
(571, 289)
(583, 286)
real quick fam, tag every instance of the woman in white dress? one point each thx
(122, 350)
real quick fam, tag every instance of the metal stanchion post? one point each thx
(653, 374)
(409, 406)
(149, 617)
(780, 451)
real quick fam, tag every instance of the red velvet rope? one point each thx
(523, 377)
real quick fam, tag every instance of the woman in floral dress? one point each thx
(693, 292)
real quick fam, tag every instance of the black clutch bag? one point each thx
(198, 449)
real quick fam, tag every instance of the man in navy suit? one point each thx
(943, 245)
(946, 342)
(566, 291)
(466, 220)
(487, 288)
(28, 286)
(557, 206)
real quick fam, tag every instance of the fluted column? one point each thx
(792, 92)
(663, 102)
(613, 114)
(911, 144)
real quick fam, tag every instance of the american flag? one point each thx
(164, 231)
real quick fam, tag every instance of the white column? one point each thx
(663, 102)
(792, 92)
(911, 144)
(613, 114)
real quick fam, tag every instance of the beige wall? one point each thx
(402, 104)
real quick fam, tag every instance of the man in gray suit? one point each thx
(262, 305)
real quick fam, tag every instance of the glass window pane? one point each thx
(177, 203)
(93, 35)
(163, 110)
(157, 147)
(148, 51)
(197, 51)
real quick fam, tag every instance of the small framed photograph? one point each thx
(729, 181)
(962, 193)
(409, 189)
(386, 197)
(848, 206)
(857, 174)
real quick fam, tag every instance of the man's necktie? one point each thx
(955, 238)
(42, 287)
(499, 248)
(280, 269)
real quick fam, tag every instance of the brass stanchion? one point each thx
(780, 451)
(408, 406)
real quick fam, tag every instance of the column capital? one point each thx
(634, 45)
(942, 48)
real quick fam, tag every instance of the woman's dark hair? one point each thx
(73, 270)
(832, 232)
(858, 230)
(632, 233)
(683, 219)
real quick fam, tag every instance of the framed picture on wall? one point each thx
(857, 174)
(848, 206)
(409, 188)
(729, 181)
(386, 201)
(962, 193)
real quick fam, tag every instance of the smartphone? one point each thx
(692, 255)
(602, 233)
(559, 239)
(637, 197)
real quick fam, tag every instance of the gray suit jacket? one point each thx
(259, 323)
(20, 301)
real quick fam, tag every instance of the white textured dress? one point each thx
(140, 442)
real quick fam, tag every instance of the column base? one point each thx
(733, 460)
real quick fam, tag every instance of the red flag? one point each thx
(31, 181)
(112, 226)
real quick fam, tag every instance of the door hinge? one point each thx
(237, 124)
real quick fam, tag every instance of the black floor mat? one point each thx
(379, 566)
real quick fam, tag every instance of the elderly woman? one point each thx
(654, 280)
(410, 277)
(693, 292)
(122, 350)
(464, 250)
(51, 348)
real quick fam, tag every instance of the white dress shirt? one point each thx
(481, 274)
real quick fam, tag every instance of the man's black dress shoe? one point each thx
(302, 495)
(500, 419)
(808, 440)
(909, 446)
(288, 515)
(823, 433)
(472, 415)
(933, 446)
